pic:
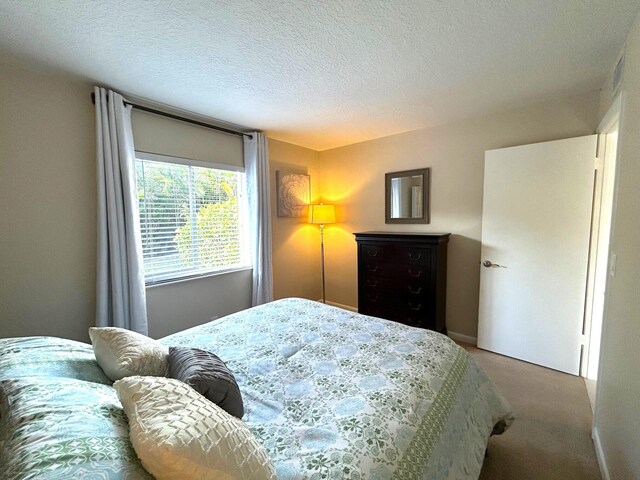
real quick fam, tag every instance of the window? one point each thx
(192, 217)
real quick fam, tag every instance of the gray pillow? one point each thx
(208, 375)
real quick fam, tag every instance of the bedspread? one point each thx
(335, 394)
(60, 418)
(330, 394)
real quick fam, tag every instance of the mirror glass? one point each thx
(407, 196)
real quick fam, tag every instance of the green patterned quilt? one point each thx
(59, 416)
(335, 394)
(330, 394)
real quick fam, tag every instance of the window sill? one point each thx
(198, 277)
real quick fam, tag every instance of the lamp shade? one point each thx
(322, 214)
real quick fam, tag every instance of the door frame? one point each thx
(611, 122)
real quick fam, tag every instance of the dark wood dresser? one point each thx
(403, 277)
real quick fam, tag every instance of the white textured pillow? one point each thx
(122, 353)
(178, 434)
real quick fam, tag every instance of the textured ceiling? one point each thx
(326, 73)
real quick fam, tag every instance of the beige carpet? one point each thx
(551, 436)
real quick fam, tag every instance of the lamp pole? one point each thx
(322, 215)
(324, 300)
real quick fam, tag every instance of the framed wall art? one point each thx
(293, 193)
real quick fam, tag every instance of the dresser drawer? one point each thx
(415, 303)
(396, 254)
(413, 319)
(398, 289)
(399, 271)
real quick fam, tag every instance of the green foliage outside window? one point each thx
(189, 216)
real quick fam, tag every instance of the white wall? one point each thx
(47, 205)
(617, 415)
(352, 177)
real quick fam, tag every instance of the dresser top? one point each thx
(403, 236)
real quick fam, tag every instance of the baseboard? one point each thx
(600, 454)
(462, 338)
(340, 305)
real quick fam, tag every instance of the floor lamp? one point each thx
(322, 215)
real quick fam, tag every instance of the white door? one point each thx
(535, 242)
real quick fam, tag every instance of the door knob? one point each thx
(490, 264)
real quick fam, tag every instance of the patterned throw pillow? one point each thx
(121, 353)
(178, 434)
(208, 375)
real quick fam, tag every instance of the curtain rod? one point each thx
(177, 117)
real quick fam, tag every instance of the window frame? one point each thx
(244, 213)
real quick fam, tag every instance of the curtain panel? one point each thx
(120, 295)
(256, 162)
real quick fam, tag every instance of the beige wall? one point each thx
(353, 178)
(47, 205)
(617, 416)
(47, 220)
(48, 227)
(296, 245)
(176, 306)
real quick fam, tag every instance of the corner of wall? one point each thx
(602, 463)
(295, 244)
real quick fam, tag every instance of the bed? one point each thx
(328, 392)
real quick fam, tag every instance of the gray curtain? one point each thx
(121, 298)
(256, 164)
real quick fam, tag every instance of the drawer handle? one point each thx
(415, 274)
(412, 307)
(414, 256)
(373, 283)
(372, 298)
(372, 268)
(372, 252)
(415, 292)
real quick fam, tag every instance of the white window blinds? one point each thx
(192, 219)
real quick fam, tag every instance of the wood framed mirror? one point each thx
(407, 196)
